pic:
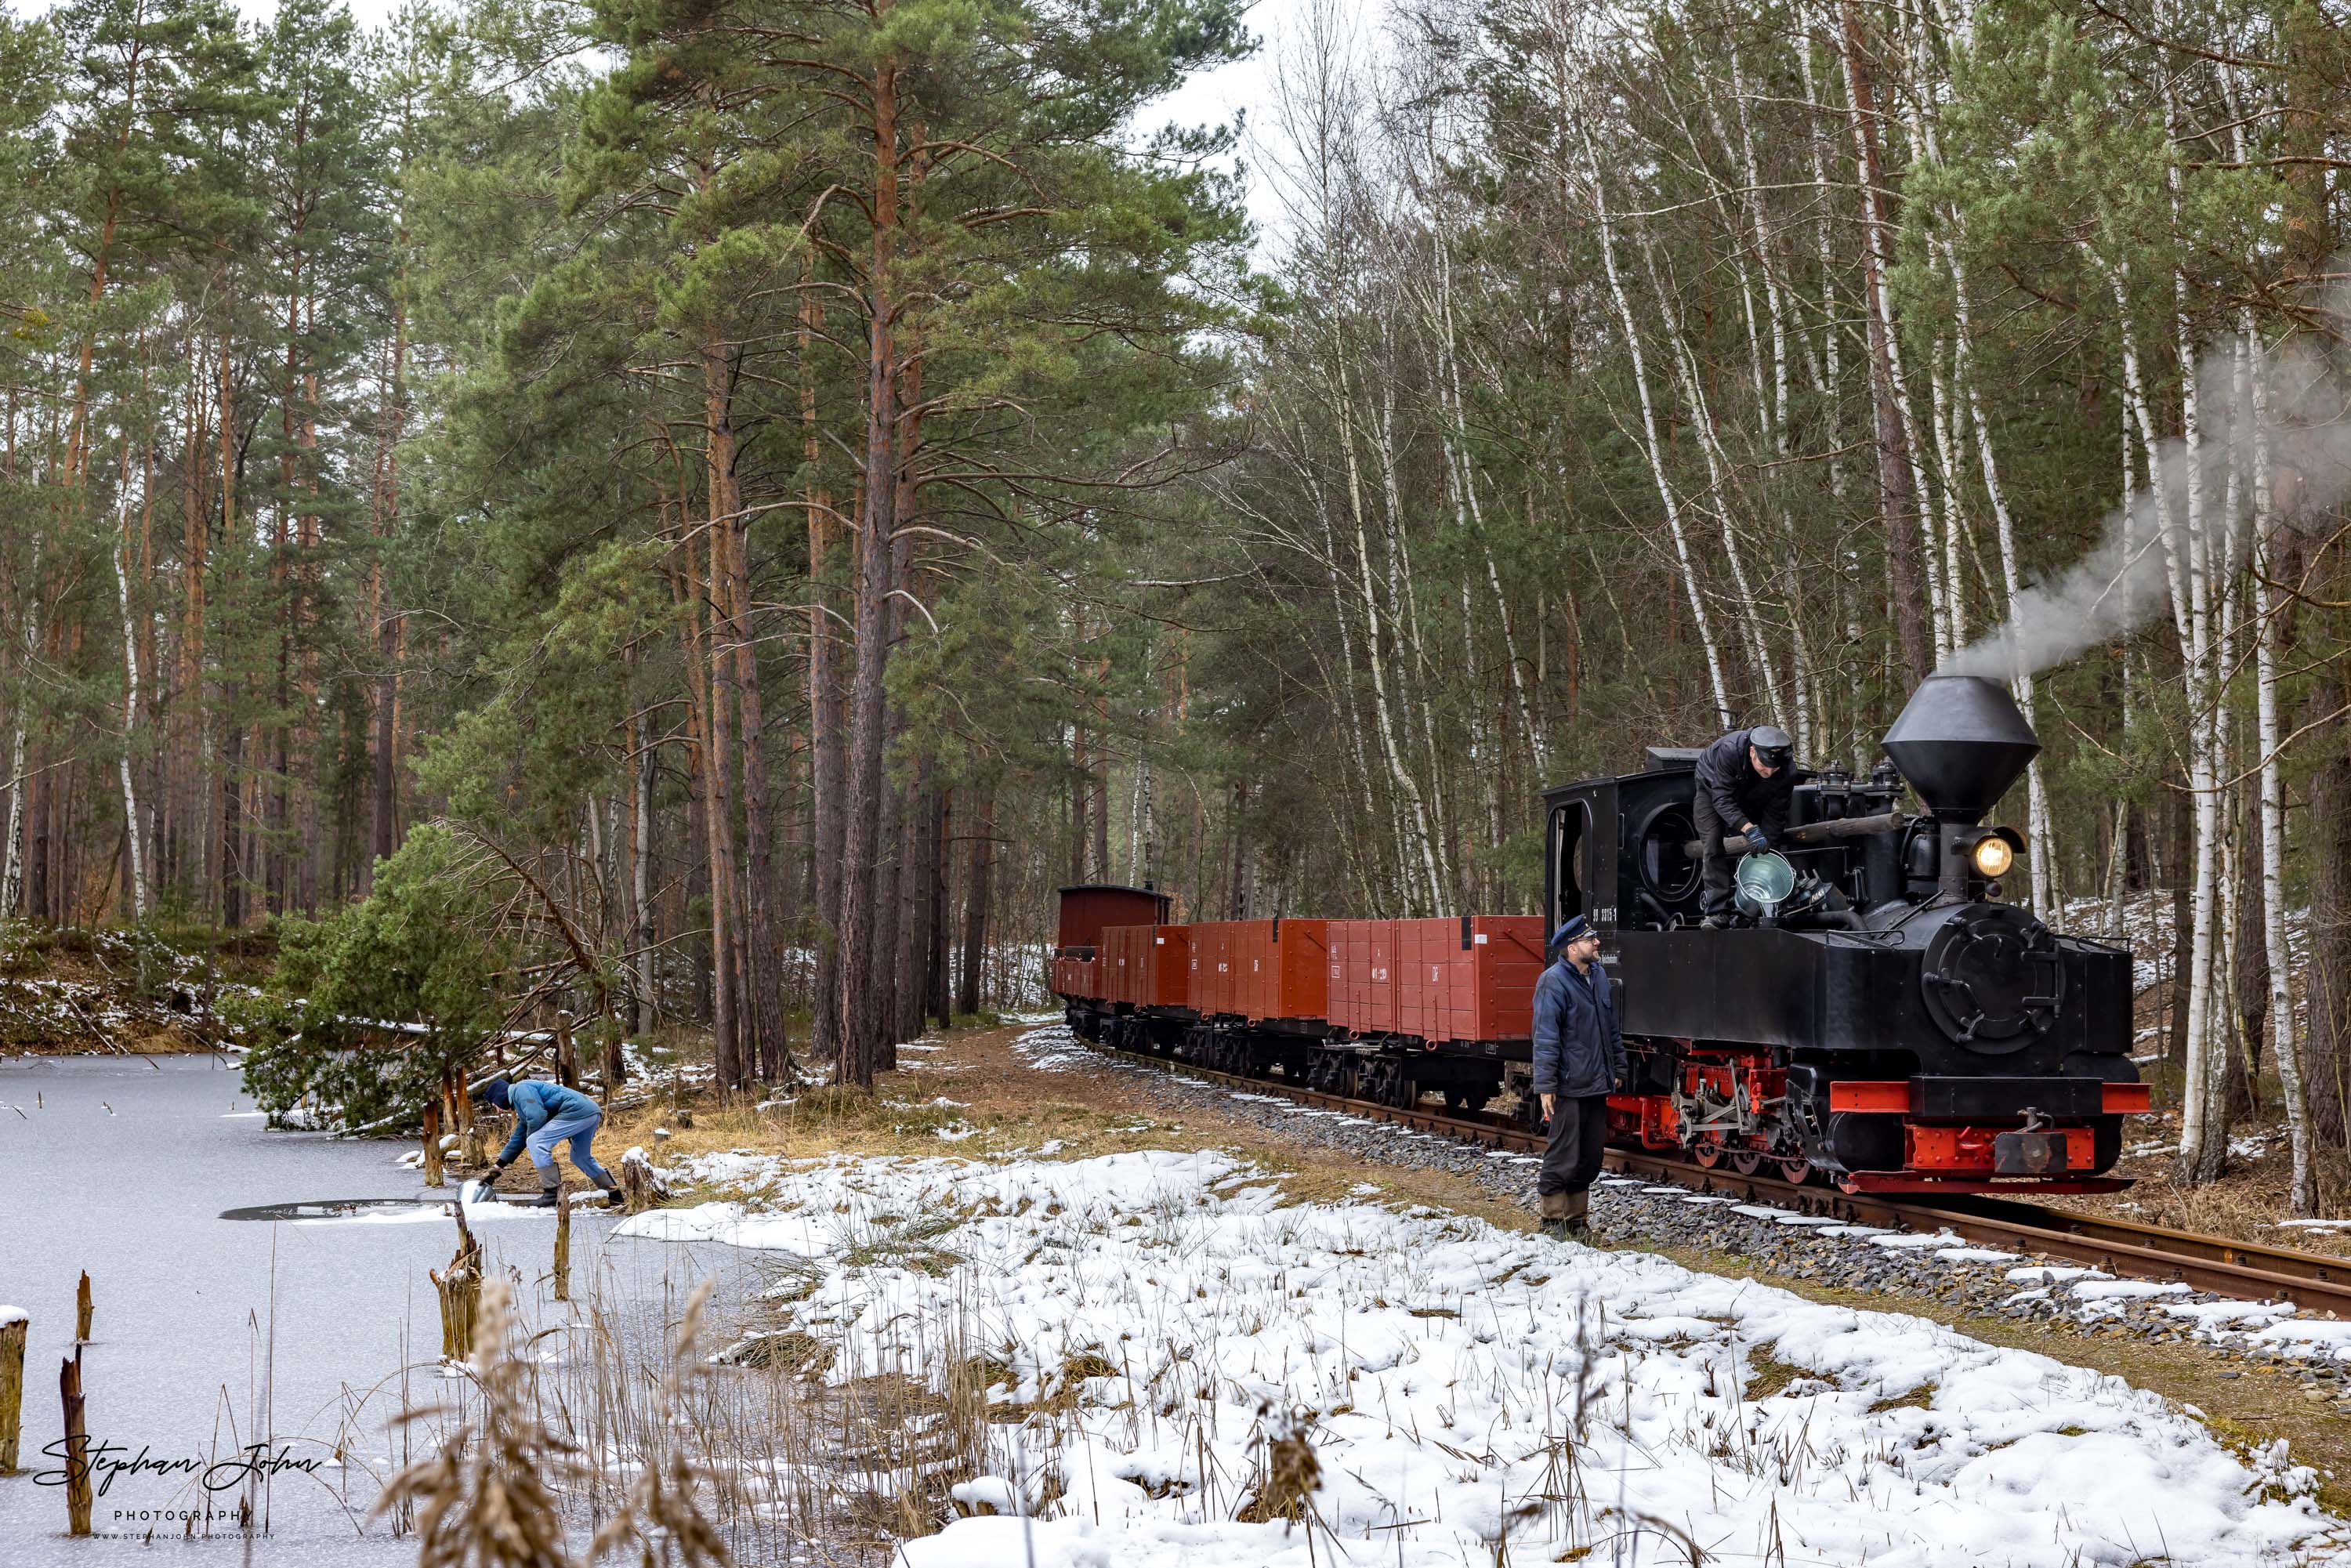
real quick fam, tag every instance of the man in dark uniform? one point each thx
(1579, 1059)
(1744, 783)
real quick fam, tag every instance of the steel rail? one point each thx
(2250, 1270)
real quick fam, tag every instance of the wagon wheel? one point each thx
(1747, 1162)
(1706, 1152)
(1797, 1171)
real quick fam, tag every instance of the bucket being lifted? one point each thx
(1763, 883)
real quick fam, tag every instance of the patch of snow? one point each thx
(1914, 1240)
(1976, 1255)
(1052, 1049)
(2313, 1224)
(2052, 1274)
(1434, 1365)
(2214, 1314)
(2126, 1290)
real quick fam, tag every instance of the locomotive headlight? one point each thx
(1992, 856)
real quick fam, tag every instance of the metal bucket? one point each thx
(1763, 882)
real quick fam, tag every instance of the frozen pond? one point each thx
(212, 1334)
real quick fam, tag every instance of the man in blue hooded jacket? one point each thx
(1579, 1052)
(546, 1114)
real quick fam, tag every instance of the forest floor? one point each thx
(96, 991)
(882, 1203)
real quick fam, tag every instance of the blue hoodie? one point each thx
(536, 1103)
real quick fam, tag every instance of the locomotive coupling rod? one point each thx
(1811, 833)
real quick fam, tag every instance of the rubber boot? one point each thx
(548, 1187)
(1579, 1215)
(1556, 1208)
(612, 1198)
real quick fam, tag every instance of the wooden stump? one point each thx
(77, 1445)
(616, 1063)
(567, 1059)
(562, 1246)
(432, 1143)
(636, 1186)
(459, 1287)
(82, 1308)
(13, 1326)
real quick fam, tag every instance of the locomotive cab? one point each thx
(1894, 1022)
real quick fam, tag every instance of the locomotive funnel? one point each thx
(1960, 743)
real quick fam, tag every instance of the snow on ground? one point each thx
(1052, 1049)
(1166, 1321)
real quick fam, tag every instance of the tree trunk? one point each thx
(935, 968)
(827, 766)
(766, 1044)
(981, 862)
(2324, 1061)
(1897, 492)
(869, 697)
(1651, 445)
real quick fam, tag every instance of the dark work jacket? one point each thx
(1579, 1046)
(1739, 794)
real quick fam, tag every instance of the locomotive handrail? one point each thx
(1810, 835)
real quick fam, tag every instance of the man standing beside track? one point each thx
(1579, 1059)
(1744, 783)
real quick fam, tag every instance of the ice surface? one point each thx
(196, 1313)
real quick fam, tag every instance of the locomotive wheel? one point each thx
(1706, 1152)
(1747, 1162)
(1797, 1171)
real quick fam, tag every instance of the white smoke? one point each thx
(2126, 580)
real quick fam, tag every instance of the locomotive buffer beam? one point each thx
(1812, 835)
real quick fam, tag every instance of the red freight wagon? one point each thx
(1362, 976)
(1075, 977)
(1147, 965)
(1468, 979)
(1122, 962)
(1261, 968)
(1348, 942)
(1086, 910)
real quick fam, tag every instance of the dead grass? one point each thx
(1768, 1374)
(1010, 1106)
(1920, 1398)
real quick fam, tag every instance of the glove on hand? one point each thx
(1757, 838)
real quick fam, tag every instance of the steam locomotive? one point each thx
(1877, 1015)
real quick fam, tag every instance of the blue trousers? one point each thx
(577, 1131)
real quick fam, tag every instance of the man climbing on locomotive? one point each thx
(1745, 780)
(1579, 1058)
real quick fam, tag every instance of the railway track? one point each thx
(2310, 1280)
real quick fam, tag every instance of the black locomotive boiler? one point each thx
(1879, 1013)
(1878, 1016)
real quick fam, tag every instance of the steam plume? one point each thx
(2125, 579)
